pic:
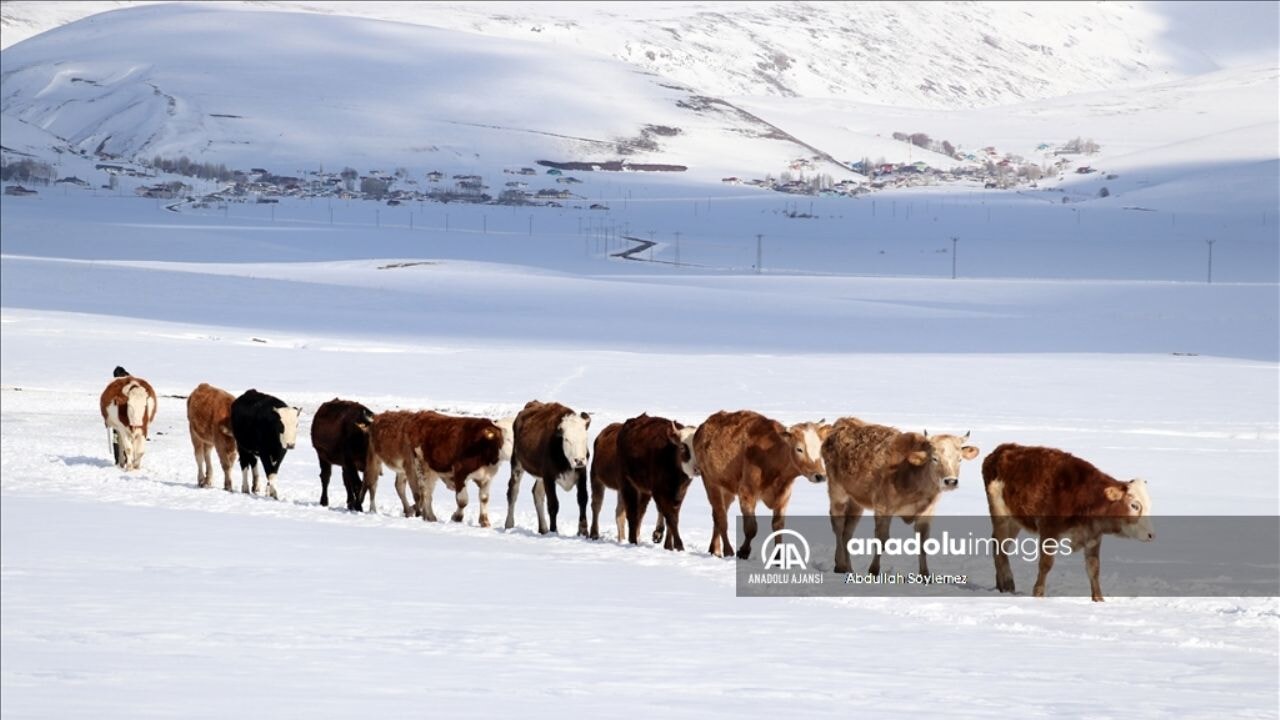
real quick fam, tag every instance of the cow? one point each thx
(892, 473)
(657, 461)
(551, 445)
(128, 407)
(265, 428)
(748, 456)
(455, 450)
(1060, 496)
(209, 422)
(340, 436)
(606, 472)
(392, 440)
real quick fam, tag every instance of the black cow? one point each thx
(265, 427)
(340, 435)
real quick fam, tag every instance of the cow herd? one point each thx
(742, 455)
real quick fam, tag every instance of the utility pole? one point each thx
(1210, 244)
(954, 240)
(677, 247)
(759, 252)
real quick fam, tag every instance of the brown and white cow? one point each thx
(551, 445)
(455, 450)
(748, 456)
(893, 474)
(340, 436)
(393, 439)
(128, 406)
(209, 422)
(1060, 496)
(657, 461)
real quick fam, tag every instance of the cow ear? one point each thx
(968, 452)
(918, 457)
(489, 434)
(1113, 493)
(587, 417)
(824, 430)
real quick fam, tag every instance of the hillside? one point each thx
(938, 55)
(217, 84)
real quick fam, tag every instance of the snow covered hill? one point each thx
(220, 84)
(940, 55)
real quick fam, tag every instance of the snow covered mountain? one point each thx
(939, 55)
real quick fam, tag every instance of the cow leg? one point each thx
(246, 460)
(719, 521)
(553, 501)
(922, 530)
(1046, 564)
(620, 518)
(845, 514)
(326, 470)
(351, 482)
(459, 494)
(482, 489)
(1003, 528)
(670, 512)
(402, 480)
(747, 505)
(139, 449)
(1092, 564)
(637, 503)
(582, 501)
(426, 495)
(513, 489)
(372, 469)
(882, 534)
(540, 504)
(257, 478)
(202, 460)
(660, 530)
(226, 458)
(271, 467)
(597, 501)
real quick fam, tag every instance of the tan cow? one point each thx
(128, 407)
(892, 473)
(747, 456)
(1059, 496)
(209, 422)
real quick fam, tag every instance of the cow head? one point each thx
(573, 438)
(684, 447)
(940, 456)
(805, 442)
(288, 426)
(1131, 502)
(507, 426)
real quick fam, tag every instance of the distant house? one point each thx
(435, 176)
(554, 171)
(1042, 146)
(731, 180)
(72, 180)
(1085, 170)
(18, 190)
(528, 171)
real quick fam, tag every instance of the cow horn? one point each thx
(926, 433)
(966, 434)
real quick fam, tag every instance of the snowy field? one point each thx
(139, 595)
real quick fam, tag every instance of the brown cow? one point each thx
(340, 436)
(392, 441)
(657, 461)
(748, 456)
(550, 444)
(128, 406)
(209, 422)
(1059, 496)
(455, 449)
(892, 473)
(607, 473)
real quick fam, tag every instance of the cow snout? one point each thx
(579, 464)
(289, 446)
(950, 483)
(819, 478)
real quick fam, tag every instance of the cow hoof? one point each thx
(456, 517)
(657, 537)
(274, 495)
(1038, 591)
(484, 522)
(1004, 586)
(744, 553)
(593, 535)
(508, 524)
(842, 569)
(1098, 598)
